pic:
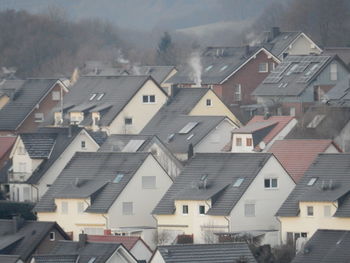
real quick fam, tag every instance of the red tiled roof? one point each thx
(6, 143)
(296, 155)
(282, 122)
(128, 241)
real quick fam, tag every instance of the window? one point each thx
(312, 181)
(39, 117)
(238, 92)
(249, 210)
(83, 144)
(92, 260)
(223, 68)
(118, 178)
(334, 73)
(316, 121)
(128, 121)
(201, 209)
(263, 67)
(185, 209)
(93, 96)
(56, 95)
(249, 141)
(310, 211)
(148, 182)
(52, 236)
(100, 96)
(148, 98)
(327, 211)
(238, 182)
(238, 141)
(270, 183)
(80, 207)
(291, 69)
(127, 208)
(64, 207)
(208, 68)
(208, 102)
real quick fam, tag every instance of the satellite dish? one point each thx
(262, 145)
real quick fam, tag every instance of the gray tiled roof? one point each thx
(27, 238)
(9, 258)
(39, 145)
(27, 94)
(158, 73)
(222, 252)
(117, 90)
(284, 82)
(222, 169)
(66, 250)
(56, 258)
(217, 64)
(101, 166)
(326, 246)
(342, 52)
(333, 183)
(282, 41)
(340, 94)
(117, 142)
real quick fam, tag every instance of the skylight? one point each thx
(92, 260)
(133, 145)
(223, 68)
(311, 70)
(188, 127)
(208, 68)
(93, 96)
(316, 121)
(100, 96)
(291, 70)
(238, 182)
(190, 137)
(118, 178)
(312, 181)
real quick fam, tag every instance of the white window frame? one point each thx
(239, 138)
(52, 236)
(125, 211)
(238, 92)
(270, 182)
(56, 95)
(39, 117)
(265, 69)
(334, 72)
(148, 99)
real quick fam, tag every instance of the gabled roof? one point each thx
(218, 63)
(333, 184)
(26, 94)
(39, 145)
(293, 75)
(296, 156)
(339, 95)
(128, 241)
(10, 259)
(326, 246)
(100, 166)
(158, 73)
(342, 52)
(26, 240)
(221, 252)
(6, 143)
(70, 251)
(222, 171)
(113, 93)
(281, 42)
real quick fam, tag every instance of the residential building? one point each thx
(206, 253)
(25, 104)
(232, 72)
(326, 246)
(324, 122)
(224, 193)
(296, 155)
(299, 82)
(10, 259)
(38, 158)
(24, 238)
(105, 190)
(114, 104)
(339, 96)
(284, 43)
(320, 199)
(260, 133)
(86, 251)
(134, 244)
(342, 52)
(144, 143)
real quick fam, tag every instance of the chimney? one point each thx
(82, 239)
(17, 223)
(267, 115)
(275, 31)
(247, 50)
(190, 152)
(107, 232)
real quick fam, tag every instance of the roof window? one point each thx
(223, 68)
(238, 182)
(188, 127)
(312, 181)
(316, 121)
(100, 96)
(311, 69)
(291, 70)
(208, 68)
(118, 178)
(93, 96)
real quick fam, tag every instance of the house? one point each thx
(105, 190)
(284, 43)
(114, 104)
(134, 244)
(194, 117)
(224, 193)
(38, 158)
(232, 72)
(324, 122)
(102, 68)
(342, 52)
(144, 143)
(25, 104)
(299, 82)
(206, 253)
(326, 246)
(23, 238)
(260, 133)
(320, 199)
(10, 259)
(85, 251)
(296, 155)
(339, 96)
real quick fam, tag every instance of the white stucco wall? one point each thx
(301, 46)
(243, 147)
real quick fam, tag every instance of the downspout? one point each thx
(280, 229)
(106, 218)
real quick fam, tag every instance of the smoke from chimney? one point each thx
(196, 69)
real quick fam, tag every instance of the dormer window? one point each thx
(100, 96)
(92, 96)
